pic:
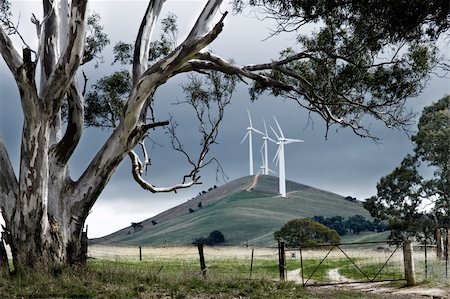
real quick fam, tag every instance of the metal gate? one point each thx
(365, 274)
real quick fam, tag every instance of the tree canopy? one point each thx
(413, 201)
(306, 232)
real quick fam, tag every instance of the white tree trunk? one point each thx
(44, 209)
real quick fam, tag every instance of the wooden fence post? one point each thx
(282, 261)
(438, 243)
(202, 259)
(140, 252)
(409, 263)
(84, 245)
(251, 263)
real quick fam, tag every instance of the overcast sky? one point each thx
(344, 164)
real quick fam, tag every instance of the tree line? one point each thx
(354, 224)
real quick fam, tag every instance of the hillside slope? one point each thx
(243, 216)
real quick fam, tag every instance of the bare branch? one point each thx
(137, 169)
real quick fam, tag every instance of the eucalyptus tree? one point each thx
(350, 69)
(412, 200)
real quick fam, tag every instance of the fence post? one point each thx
(140, 252)
(282, 261)
(409, 263)
(438, 243)
(84, 245)
(202, 259)
(301, 265)
(426, 258)
(251, 263)
(447, 245)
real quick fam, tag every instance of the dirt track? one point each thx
(379, 288)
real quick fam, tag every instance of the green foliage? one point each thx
(304, 232)
(401, 194)
(104, 104)
(5, 12)
(167, 40)
(96, 40)
(361, 56)
(123, 53)
(355, 223)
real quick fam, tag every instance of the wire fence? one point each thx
(343, 264)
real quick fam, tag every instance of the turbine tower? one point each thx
(282, 141)
(265, 166)
(250, 131)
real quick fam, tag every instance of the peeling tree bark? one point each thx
(44, 209)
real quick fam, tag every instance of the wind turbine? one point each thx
(282, 141)
(265, 166)
(250, 131)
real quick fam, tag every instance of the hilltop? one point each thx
(243, 214)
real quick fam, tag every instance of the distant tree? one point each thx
(355, 224)
(200, 205)
(191, 210)
(336, 222)
(137, 226)
(358, 223)
(301, 232)
(214, 238)
(154, 222)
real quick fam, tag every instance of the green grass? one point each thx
(123, 279)
(243, 217)
(389, 272)
(320, 273)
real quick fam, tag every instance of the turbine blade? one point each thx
(279, 128)
(293, 140)
(245, 137)
(265, 127)
(270, 170)
(262, 155)
(257, 131)
(268, 138)
(249, 118)
(277, 155)
(278, 137)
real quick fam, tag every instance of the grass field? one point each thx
(174, 272)
(242, 216)
(237, 261)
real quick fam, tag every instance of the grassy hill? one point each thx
(243, 216)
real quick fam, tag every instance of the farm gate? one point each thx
(347, 263)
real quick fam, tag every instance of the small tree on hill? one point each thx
(301, 232)
(216, 237)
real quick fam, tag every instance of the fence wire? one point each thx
(263, 262)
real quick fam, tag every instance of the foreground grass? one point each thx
(107, 279)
